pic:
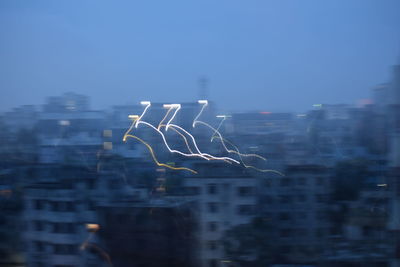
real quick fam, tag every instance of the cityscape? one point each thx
(325, 192)
(228, 133)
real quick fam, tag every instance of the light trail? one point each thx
(205, 104)
(250, 166)
(138, 121)
(126, 135)
(147, 104)
(155, 159)
(196, 121)
(166, 115)
(199, 153)
(220, 124)
(182, 135)
(175, 130)
(177, 108)
(93, 228)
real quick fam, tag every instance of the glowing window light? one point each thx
(64, 122)
(92, 227)
(107, 133)
(107, 145)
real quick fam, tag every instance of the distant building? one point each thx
(261, 122)
(21, 118)
(297, 205)
(59, 203)
(68, 131)
(68, 102)
(224, 199)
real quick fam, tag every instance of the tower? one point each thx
(203, 87)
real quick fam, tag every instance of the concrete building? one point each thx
(223, 200)
(60, 202)
(297, 204)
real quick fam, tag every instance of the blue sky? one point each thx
(258, 55)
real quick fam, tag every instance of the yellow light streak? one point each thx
(126, 135)
(199, 154)
(166, 115)
(99, 249)
(154, 157)
(93, 228)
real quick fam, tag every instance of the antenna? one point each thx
(203, 87)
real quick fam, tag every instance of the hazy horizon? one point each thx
(259, 55)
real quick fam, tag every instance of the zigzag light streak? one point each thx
(155, 159)
(178, 107)
(135, 118)
(250, 166)
(196, 121)
(219, 126)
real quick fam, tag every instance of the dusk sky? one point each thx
(258, 55)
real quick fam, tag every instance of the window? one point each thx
(38, 225)
(302, 181)
(302, 215)
(90, 184)
(54, 206)
(64, 228)
(302, 198)
(212, 226)
(302, 232)
(285, 232)
(319, 180)
(70, 206)
(113, 184)
(212, 245)
(62, 206)
(193, 190)
(245, 209)
(244, 191)
(38, 246)
(64, 249)
(38, 204)
(321, 215)
(285, 199)
(285, 182)
(212, 189)
(212, 207)
(320, 198)
(268, 200)
(213, 263)
(284, 216)
(319, 232)
(366, 231)
(286, 249)
(91, 205)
